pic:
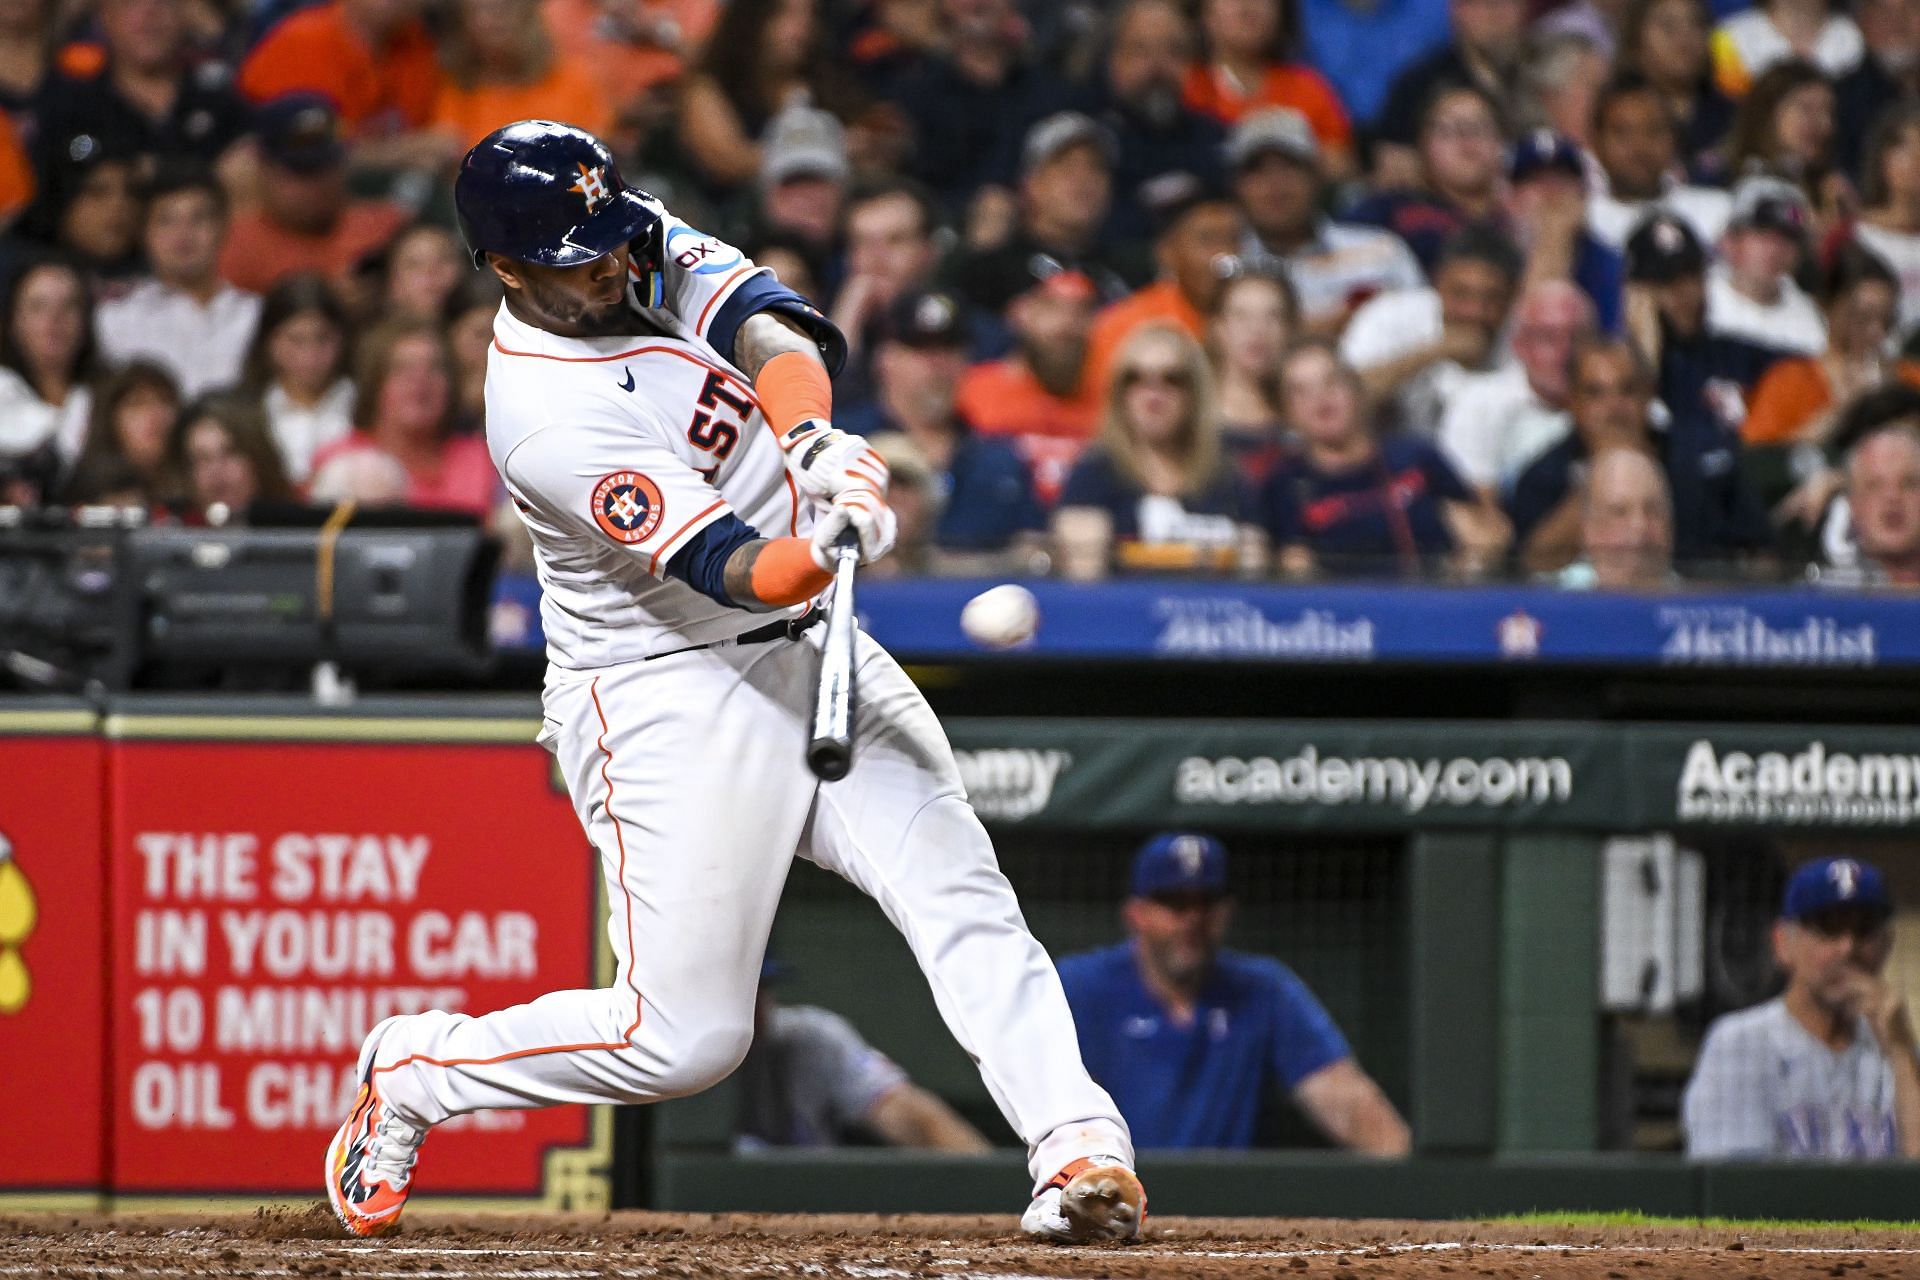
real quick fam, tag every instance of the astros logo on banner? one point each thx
(627, 506)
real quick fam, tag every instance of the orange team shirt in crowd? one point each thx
(1211, 91)
(1794, 392)
(16, 173)
(1003, 398)
(627, 68)
(378, 92)
(1161, 302)
(463, 481)
(258, 253)
(569, 93)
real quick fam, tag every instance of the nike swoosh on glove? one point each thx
(826, 462)
(867, 515)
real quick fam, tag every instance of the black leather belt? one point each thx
(785, 629)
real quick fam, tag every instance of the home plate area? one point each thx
(432, 1246)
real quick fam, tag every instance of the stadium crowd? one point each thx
(1606, 293)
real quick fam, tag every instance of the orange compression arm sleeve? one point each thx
(785, 573)
(794, 388)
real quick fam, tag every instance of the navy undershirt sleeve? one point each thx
(702, 562)
(763, 292)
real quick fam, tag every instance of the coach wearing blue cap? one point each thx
(1828, 1068)
(1191, 1038)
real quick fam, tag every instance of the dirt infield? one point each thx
(438, 1247)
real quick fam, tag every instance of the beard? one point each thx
(575, 316)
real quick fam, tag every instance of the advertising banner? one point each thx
(272, 900)
(1836, 778)
(52, 953)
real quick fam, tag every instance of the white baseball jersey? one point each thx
(1765, 1088)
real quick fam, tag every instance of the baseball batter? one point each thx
(660, 411)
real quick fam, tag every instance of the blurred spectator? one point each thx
(183, 316)
(297, 368)
(1154, 491)
(1252, 323)
(970, 103)
(1191, 1038)
(987, 495)
(1139, 103)
(890, 251)
(1462, 169)
(373, 61)
(761, 56)
(1610, 401)
(1248, 65)
(1626, 526)
(1834, 551)
(1751, 292)
(1488, 38)
(1066, 187)
(1887, 77)
(403, 406)
(422, 266)
(1546, 207)
(1363, 47)
(17, 180)
(46, 363)
(501, 66)
(1748, 44)
(1785, 129)
(1797, 403)
(1636, 143)
(1279, 184)
(1666, 42)
(26, 52)
(87, 206)
(1827, 1069)
(366, 477)
(803, 181)
(1559, 82)
(470, 333)
(143, 91)
(126, 448)
(1890, 219)
(1883, 503)
(305, 220)
(1198, 230)
(636, 50)
(1347, 502)
(790, 260)
(223, 460)
(1498, 422)
(913, 492)
(1037, 398)
(810, 1080)
(1413, 348)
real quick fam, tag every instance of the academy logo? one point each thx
(1011, 783)
(627, 506)
(592, 186)
(1812, 785)
(700, 253)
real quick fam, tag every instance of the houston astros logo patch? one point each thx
(627, 506)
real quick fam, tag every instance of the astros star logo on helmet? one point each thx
(592, 186)
(627, 506)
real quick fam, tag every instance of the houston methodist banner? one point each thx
(273, 899)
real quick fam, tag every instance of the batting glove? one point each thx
(870, 518)
(827, 462)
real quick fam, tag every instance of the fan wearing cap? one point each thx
(1192, 1038)
(988, 505)
(1279, 183)
(1827, 1069)
(305, 220)
(1546, 212)
(1751, 292)
(1636, 141)
(803, 179)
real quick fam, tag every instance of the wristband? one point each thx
(795, 395)
(784, 573)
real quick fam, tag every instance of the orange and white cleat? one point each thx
(370, 1160)
(1095, 1198)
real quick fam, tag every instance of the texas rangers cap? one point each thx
(1180, 862)
(1826, 883)
(1761, 203)
(301, 132)
(1662, 249)
(1061, 132)
(1273, 131)
(1544, 151)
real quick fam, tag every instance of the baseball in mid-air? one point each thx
(1001, 617)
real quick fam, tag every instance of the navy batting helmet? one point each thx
(547, 193)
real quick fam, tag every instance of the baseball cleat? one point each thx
(370, 1160)
(1097, 1198)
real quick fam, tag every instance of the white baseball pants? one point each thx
(688, 773)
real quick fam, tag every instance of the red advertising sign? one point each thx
(52, 967)
(273, 900)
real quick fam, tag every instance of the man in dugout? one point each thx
(1191, 1038)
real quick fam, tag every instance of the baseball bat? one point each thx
(830, 751)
